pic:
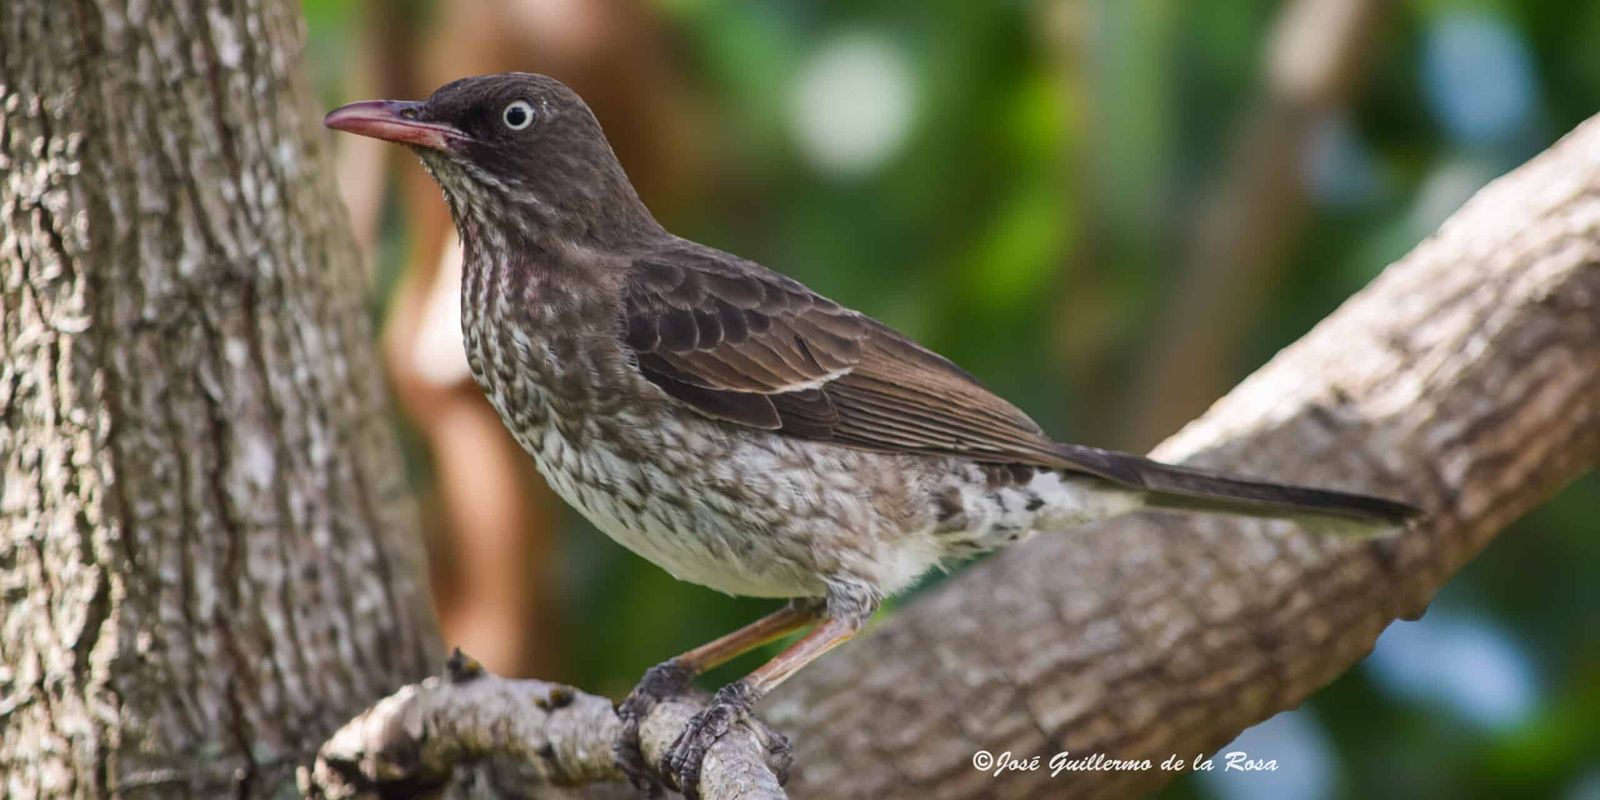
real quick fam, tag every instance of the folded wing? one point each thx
(737, 342)
(740, 343)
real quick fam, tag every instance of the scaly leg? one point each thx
(792, 617)
(672, 678)
(733, 702)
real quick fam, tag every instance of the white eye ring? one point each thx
(518, 115)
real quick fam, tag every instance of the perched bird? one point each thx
(731, 425)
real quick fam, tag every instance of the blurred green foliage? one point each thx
(1026, 221)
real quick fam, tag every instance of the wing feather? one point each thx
(739, 343)
(742, 344)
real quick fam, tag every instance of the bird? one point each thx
(733, 426)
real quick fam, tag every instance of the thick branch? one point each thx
(1465, 379)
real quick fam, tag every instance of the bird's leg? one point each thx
(672, 677)
(844, 618)
(793, 616)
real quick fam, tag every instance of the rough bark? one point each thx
(1465, 379)
(207, 557)
(515, 734)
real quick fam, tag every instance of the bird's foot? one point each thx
(663, 681)
(780, 755)
(728, 707)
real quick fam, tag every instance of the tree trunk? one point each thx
(207, 555)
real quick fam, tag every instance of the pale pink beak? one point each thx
(393, 121)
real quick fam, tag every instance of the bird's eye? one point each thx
(518, 115)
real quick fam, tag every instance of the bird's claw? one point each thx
(663, 681)
(780, 755)
(729, 706)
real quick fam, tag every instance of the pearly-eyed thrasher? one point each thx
(731, 425)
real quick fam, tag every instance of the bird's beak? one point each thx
(393, 121)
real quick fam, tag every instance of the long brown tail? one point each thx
(1187, 488)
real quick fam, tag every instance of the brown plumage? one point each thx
(740, 343)
(727, 422)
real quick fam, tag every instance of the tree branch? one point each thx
(534, 733)
(1466, 379)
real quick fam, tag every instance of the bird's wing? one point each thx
(740, 343)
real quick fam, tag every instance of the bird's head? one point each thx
(515, 152)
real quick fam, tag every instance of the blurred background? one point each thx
(1109, 210)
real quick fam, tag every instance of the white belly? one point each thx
(736, 511)
(673, 522)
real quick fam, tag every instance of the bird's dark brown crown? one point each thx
(531, 160)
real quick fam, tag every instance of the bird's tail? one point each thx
(1186, 488)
